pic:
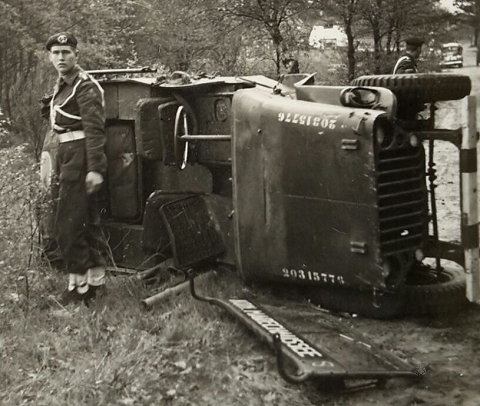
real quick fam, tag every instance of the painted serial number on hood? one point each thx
(306, 120)
(322, 277)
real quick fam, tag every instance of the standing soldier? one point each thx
(77, 117)
(407, 63)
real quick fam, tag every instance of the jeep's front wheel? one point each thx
(435, 293)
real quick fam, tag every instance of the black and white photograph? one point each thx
(239, 203)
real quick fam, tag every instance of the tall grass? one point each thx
(114, 353)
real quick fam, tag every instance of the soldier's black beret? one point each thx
(415, 41)
(61, 38)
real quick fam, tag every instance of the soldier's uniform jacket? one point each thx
(405, 64)
(78, 104)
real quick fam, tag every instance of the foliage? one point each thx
(23, 31)
(19, 192)
(469, 13)
(274, 17)
(382, 25)
(190, 37)
(229, 37)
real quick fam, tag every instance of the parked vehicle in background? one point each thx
(452, 55)
(329, 36)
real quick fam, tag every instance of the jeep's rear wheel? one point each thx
(424, 87)
(429, 292)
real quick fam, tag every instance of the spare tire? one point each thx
(435, 293)
(424, 87)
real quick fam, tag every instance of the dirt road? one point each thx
(446, 349)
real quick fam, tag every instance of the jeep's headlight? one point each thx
(380, 134)
(384, 133)
(413, 140)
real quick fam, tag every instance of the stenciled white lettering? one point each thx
(295, 343)
(327, 121)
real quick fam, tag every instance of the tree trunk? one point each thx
(350, 52)
(377, 48)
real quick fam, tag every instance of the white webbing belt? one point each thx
(71, 136)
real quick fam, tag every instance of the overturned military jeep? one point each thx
(323, 189)
(290, 182)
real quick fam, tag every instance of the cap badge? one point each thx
(62, 39)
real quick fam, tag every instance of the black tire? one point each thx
(424, 87)
(443, 296)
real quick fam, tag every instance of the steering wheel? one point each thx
(180, 147)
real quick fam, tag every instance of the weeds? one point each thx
(115, 352)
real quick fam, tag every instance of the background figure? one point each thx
(407, 63)
(291, 65)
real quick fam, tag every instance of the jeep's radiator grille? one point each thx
(401, 198)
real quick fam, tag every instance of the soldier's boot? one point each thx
(96, 282)
(77, 290)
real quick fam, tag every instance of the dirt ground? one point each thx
(447, 349)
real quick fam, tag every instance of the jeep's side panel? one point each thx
(128, 96)
(121, 98)
(111, 100)
(304, 192)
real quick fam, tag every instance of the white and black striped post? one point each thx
(468, 172)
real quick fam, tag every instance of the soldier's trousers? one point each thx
(77, 218)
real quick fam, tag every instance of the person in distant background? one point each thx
(407, 63)
(292, 65)
(77, 119)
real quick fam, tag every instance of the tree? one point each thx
(188, 37)
(272, 17)
(469, 12)
(391, 21)
(347, 12)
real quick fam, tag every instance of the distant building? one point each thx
(327, 36)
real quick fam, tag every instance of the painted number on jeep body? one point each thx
(314, 121)
(301, 274)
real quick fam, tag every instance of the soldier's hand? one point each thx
(93, 182)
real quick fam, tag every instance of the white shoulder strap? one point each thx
(58, 108)
(402, 59)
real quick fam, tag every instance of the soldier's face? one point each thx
(63, 58)
(418, 52)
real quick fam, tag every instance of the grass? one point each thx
(182, 352)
